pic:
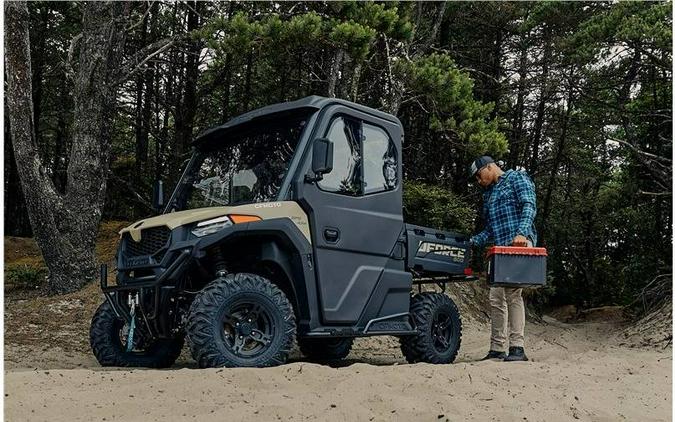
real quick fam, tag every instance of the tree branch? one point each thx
(137, 196)
(641, 152)
(140, 21)
(71, 51)
(143, 56)
(641, 192)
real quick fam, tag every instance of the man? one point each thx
(509, 206)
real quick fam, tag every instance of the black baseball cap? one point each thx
(479, 163)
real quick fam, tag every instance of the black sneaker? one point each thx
(516, 354)
(493, 354)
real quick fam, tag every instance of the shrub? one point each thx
(437, 207)
(25, 276)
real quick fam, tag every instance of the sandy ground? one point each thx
(601, 369)
(585, 371)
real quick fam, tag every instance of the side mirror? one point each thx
(322, 158)
(158, 195)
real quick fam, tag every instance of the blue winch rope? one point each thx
(130, 337)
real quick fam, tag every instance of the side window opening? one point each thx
(346, 175)
(379, 160)
(364, 159)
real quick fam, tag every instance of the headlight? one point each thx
(207, 227)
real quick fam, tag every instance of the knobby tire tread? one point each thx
(205, 307)
(419, 348)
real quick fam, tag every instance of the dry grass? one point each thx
(52, 321)
(22, 250)
(107, 239)
(36, 320)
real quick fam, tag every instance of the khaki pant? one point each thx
(506, 305)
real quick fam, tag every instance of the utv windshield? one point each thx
(247, 165)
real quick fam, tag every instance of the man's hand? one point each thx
(519, 240)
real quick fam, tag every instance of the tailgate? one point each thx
(432, 251)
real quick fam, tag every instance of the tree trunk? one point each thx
(354, 91)
(516, 144)
(335, 72)
(494, 82)
(541, 107)
(148, 96)
(65, 226)
(141, 138)
(146, 115)
(139, 127)
(60, 164)
(227, 88)
(556, 162)
(188, 109)
(247, 83)
(37, 65)
(422, 39)
(16, 215)
(228, 74)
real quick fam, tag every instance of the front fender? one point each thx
(283, 244)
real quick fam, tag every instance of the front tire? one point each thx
(107, 337)
(324, 349)
(439, 329)
(241, 320)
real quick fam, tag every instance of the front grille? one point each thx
(152, 240)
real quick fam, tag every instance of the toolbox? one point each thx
(516, 266)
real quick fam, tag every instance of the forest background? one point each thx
(578, 94)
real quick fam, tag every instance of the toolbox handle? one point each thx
(516, 250)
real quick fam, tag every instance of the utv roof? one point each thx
(313, 102)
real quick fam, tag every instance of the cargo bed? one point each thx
(435, 255)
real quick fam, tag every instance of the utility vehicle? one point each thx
(285, 226)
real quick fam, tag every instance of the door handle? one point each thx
(331, 235)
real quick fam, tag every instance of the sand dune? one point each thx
(577, 372)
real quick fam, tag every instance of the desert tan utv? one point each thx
(286, 225)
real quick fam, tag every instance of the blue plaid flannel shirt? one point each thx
(509, 207)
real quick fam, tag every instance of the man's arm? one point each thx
(524, 188)
(481, 238)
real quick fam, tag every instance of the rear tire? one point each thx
(323, 349)
(107, 337)
(241, 320)
(439, 330)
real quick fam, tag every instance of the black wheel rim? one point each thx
(142, 342)
(441, 331)
(248, 329)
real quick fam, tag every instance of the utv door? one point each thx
(355, 215)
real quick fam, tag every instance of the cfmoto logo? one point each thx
(268, 205)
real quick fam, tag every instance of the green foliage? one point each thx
(538, 299)
(235, 35)
(627, 23)
(448, 94)
(353, 37)
(437, 207)
(382, 18)
(25, 276)
(590, 72)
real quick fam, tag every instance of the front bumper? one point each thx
(154, 292)
(158, 278)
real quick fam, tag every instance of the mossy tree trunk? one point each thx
(65, 225)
